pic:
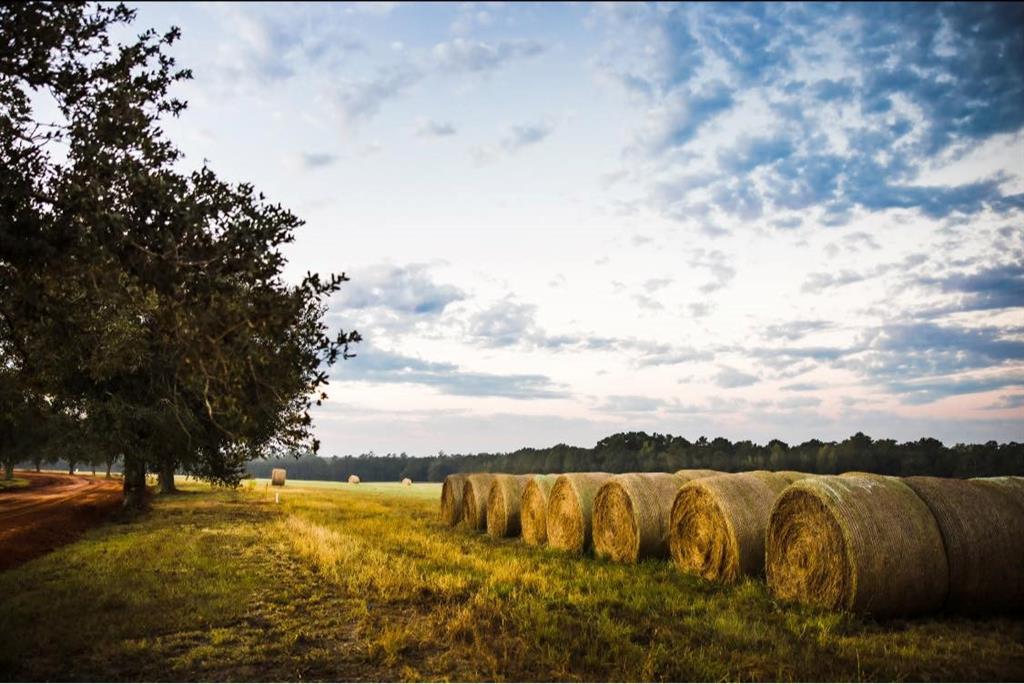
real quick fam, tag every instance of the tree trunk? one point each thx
(71, 467)
(135, 493)
(109, 463)
(8, 471)
(166, 476)
(39, 465)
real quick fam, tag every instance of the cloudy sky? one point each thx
(564, 221)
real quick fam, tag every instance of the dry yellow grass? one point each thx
(370, 585)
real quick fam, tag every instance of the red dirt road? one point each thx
(53, 510)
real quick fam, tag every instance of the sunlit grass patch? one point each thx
(500, 604)
(348, 583)
(417, 490)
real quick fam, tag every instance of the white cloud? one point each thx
(462, 55)
(359, 101)
(435, 129)
(648, 209)
(522, 136)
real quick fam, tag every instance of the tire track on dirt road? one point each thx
(53, 510)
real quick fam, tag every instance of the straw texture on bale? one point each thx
(791, 475)
(689, 474)
(631, 514)
(1012, 486)
(474, 500)
(451, 499)
(867, 544)
(353, 479)
(533, 509)
(277, 476)
(983, 532)
(503, 501)
(717, 525)
(571, 510)
(406, 482)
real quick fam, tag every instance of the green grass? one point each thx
(362, 582)
(13, 483)
(422, 490)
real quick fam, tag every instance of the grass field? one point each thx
(362, 582)
(13, 483)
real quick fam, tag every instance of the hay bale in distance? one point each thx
(983, 532)
(718, 523)
(474, 500)
(277, 476)
(406, 482)
(503, 502)
(533, 509)
(571, 510)
(631, 514)
(864, 544)
(451, 499)
(353, 479)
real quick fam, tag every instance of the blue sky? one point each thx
(562, 221)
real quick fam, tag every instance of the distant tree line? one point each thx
(642, 452)
(96, 466)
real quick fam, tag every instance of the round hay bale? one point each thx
(451, 499)
(631, 514)
(1009, 485)
(474, 500)
(862, 473)
(406, 482)
(533, 509)
(982, 529)
(353, 479)
(717, 524)
(689, 474)
(503, 501)
(277, 476)
(571, 510)
(791, 475)
(864, 544)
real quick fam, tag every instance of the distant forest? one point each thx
(642, 452)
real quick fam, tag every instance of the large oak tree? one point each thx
(150, 300)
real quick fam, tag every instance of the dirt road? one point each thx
(53, 510)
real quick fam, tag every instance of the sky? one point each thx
(564, 221)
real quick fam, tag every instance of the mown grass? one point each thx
(363, 583)
(13, 483)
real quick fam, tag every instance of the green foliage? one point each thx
(147, 302)
(24, 419)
